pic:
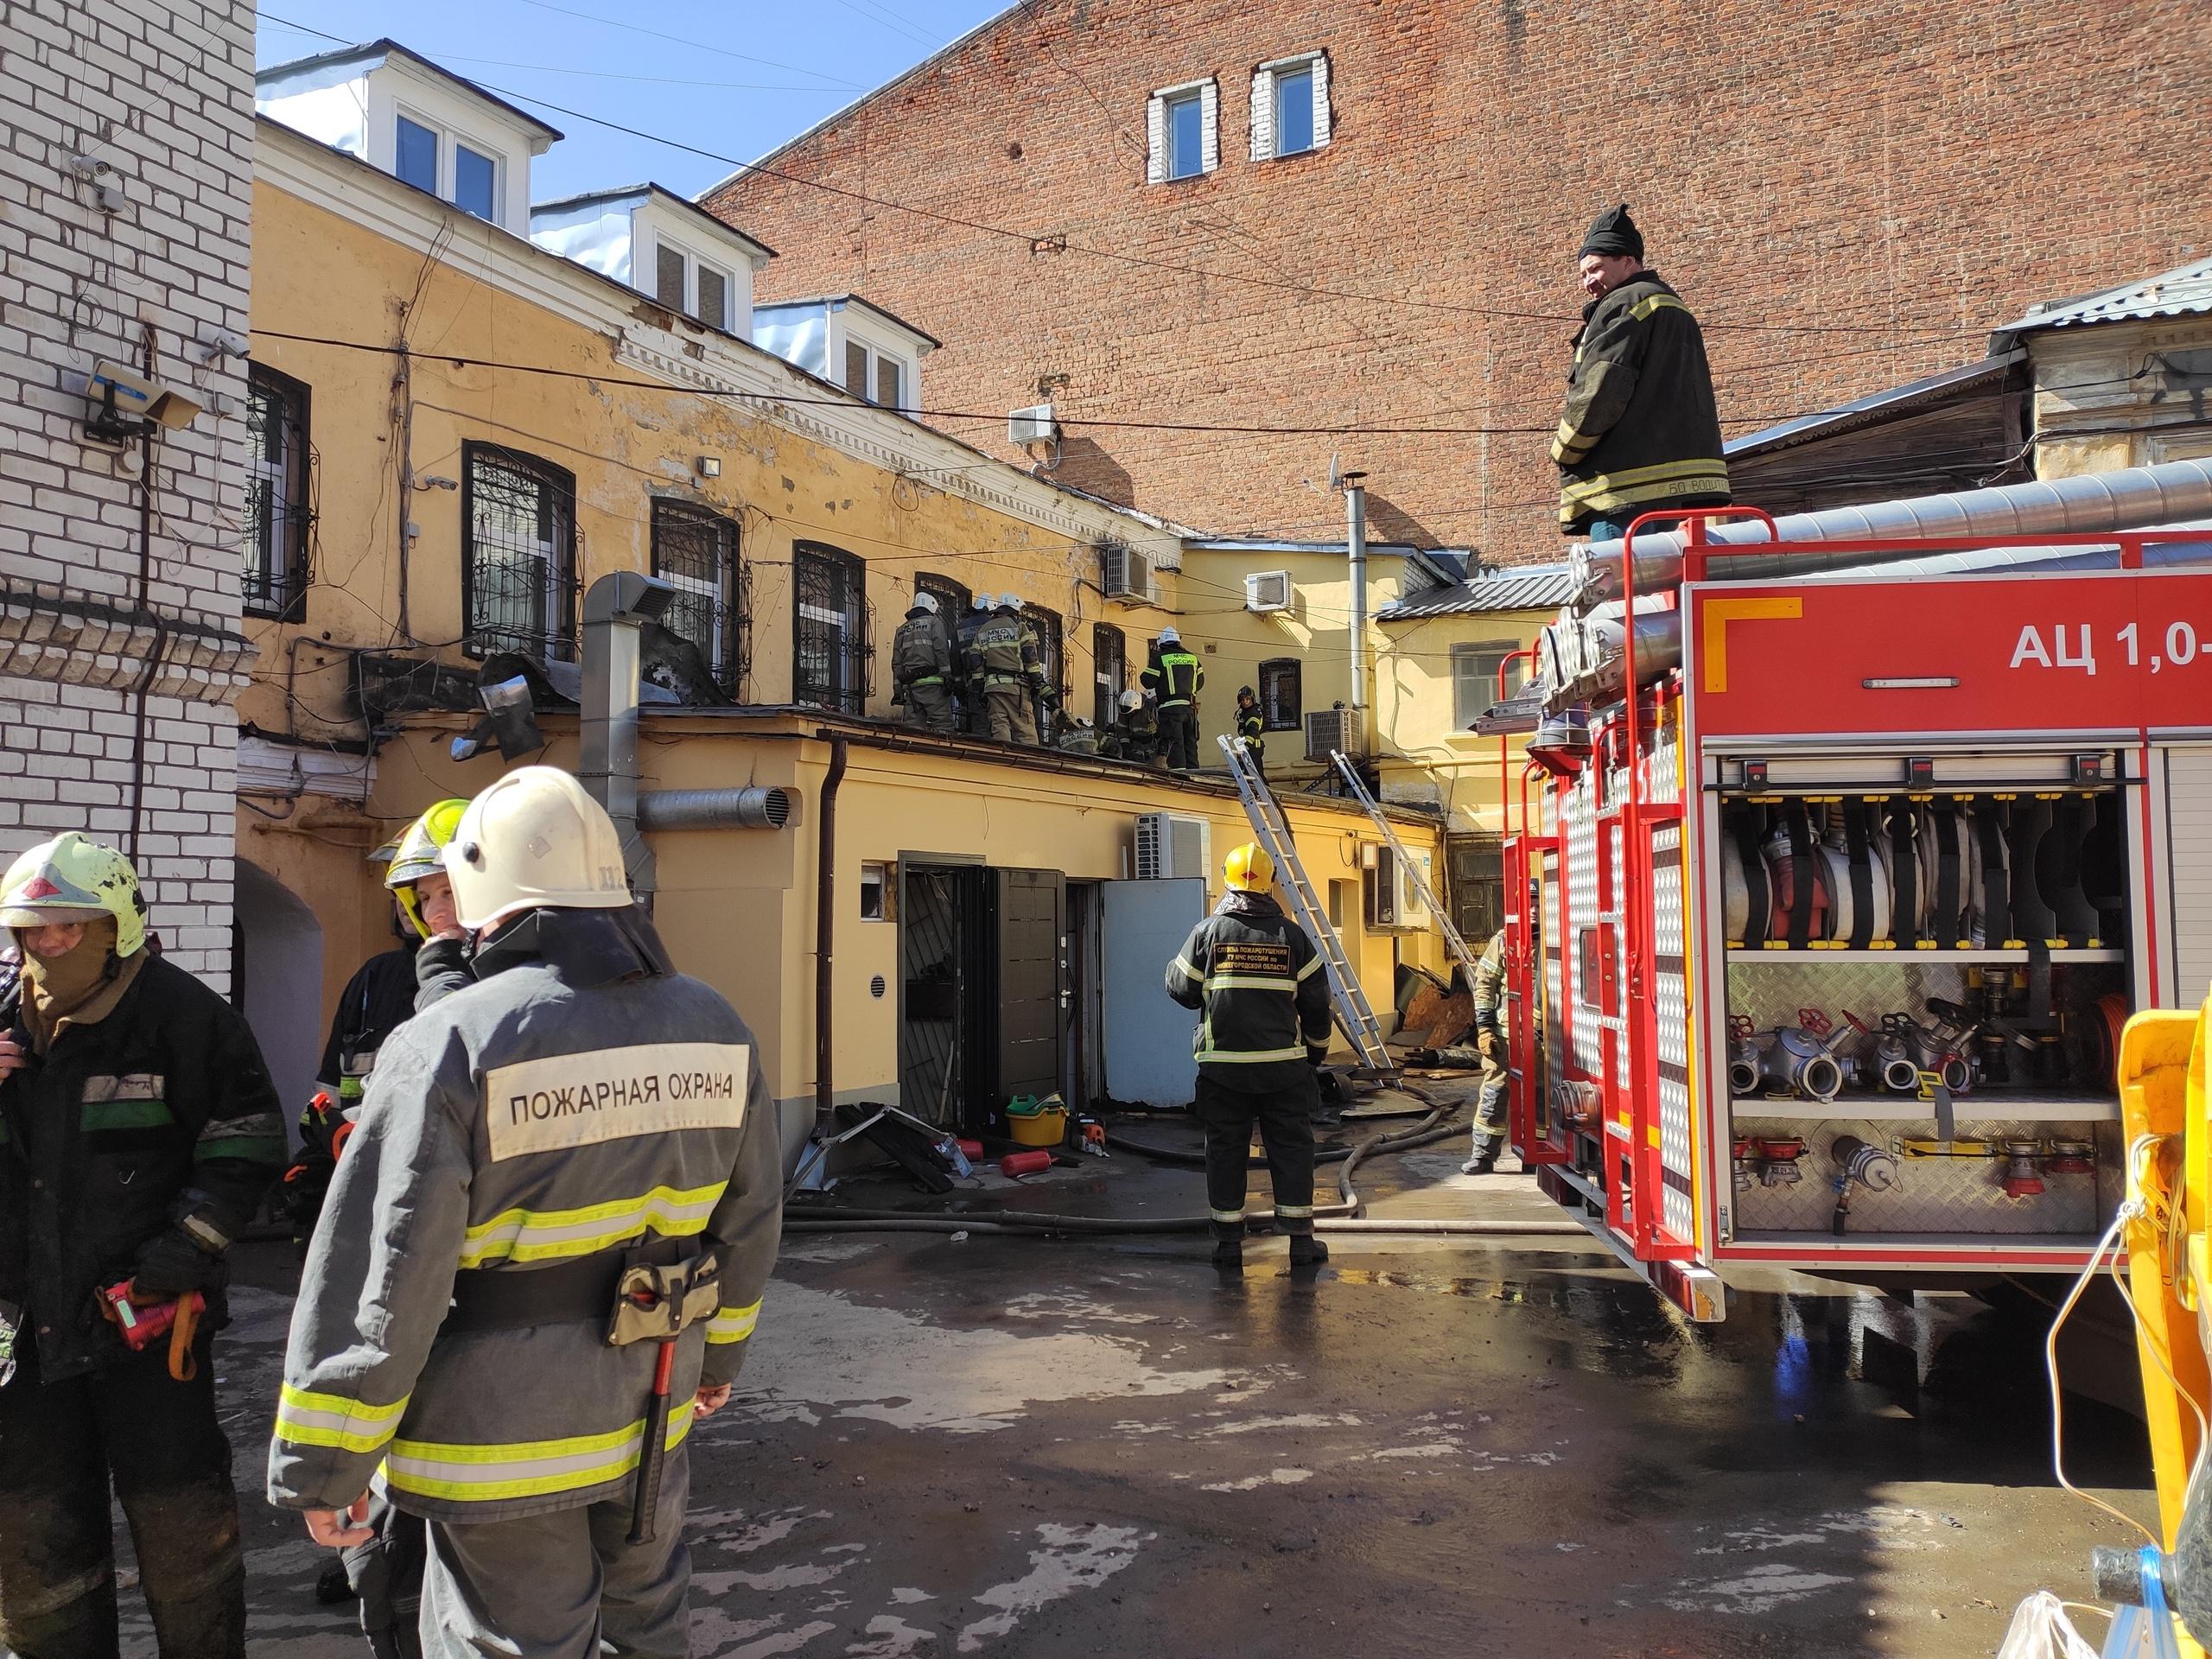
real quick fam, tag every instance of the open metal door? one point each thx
(1147, 1037)
(1029, 962)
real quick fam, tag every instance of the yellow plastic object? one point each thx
(2163, 1092)
(1045, 1127)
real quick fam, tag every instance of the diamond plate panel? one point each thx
(1619, 1076)
(1581, 835)
(1555, 1016)
(1670, 1005)
(1933, 1195)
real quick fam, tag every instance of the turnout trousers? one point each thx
(1285, 1116)
(929, 707)
(1011, 707)
(1490, 1105)
(158, 1441)
(555, 1586)
(1179, 736)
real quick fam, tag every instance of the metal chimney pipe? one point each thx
(1355, 546)
(616, 607)
(2128, 500)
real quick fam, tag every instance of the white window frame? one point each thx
(1160, 138)
(1263, 104)
(1468, 651)
(692, 264)
(877, 356)
(449, 139)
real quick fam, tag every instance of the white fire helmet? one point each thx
(534, 839)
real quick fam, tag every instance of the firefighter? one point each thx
(969, 668)
(1013, 674)
(1081, 738)
(1250, 724)
(1641, 430)
(1489, 1044)
(921, 667)
(138, 1132)
(1263, 995)
(1175, 678)
(1139, 729)
(581, 1155)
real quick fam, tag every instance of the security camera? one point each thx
(124, 402)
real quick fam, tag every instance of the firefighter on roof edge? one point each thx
(1489, 1043)
(576, 1285)
(1641, 432)
(1262, 995)
(1013, 672)
(921, 667)
(138, 1131)
(1175, 677)
(1251, 724)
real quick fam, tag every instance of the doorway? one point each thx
(276, 976)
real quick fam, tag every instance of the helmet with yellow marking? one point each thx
(421, 852)
(73, 878)
(1248, 869)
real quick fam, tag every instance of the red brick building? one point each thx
(1849, 195)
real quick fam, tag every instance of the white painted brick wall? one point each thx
(162, 91)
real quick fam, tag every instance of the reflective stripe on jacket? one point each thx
(1174, 678)
(523, 1123)
(921, 652)
(1260, 989)
(1008, 645)
(1641, 428)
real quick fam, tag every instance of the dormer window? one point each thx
(874, 374)
(447, 166)
(683, 281)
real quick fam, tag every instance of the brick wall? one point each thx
(115, 685)
(1914, 173)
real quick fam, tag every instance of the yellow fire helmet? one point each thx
(1248, 869)
(421, 852)
(73, 878)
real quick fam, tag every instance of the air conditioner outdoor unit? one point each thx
(1172, 844)
(1035, 424)
(1393, 900)
(1332, 728)
(1124, 573)
(1268, 590)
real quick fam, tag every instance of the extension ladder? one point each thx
(1453, 938)
(1354, 1016)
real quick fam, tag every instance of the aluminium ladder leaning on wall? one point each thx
(1452, 938)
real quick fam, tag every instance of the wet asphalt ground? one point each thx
(1002, 1446)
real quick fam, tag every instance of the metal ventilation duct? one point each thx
(2129, 499)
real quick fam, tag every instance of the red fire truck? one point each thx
(1819, 944)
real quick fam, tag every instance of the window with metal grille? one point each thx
(952, 597)
(1110, 665)
(830, 628)
(695, 551)
(1051, 644)
(518, 553)
(1282, 696)
(278, 512)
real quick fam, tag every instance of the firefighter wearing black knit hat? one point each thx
(1641, 431)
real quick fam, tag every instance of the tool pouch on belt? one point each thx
(653, 1303)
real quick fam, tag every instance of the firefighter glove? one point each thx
(172, 1264)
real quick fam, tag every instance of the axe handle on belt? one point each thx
(652, 1456)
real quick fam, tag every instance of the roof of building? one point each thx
(637, 192)
(385, 46)
(1876, 407)
(2185, 291)
(1517, 587)
(838, 302)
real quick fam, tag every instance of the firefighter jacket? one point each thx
(1250, 726)
(1174, 678)
(1261, 991)
(1006, 650)
(1490, 985)
(545, 1114)
(375, 1000)
(921, 652)
(159, 1119)
(1641, 430)
(965, 663)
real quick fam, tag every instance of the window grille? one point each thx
(1051, 644)
(696, 552)
(1109, 662)
(830, 629)
(519, 560)
(1282, 694)
(952, 597)
(279, 509)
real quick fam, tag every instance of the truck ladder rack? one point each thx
(1453, 938)
(1354, 1016)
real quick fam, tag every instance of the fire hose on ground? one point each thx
(1341, 1216)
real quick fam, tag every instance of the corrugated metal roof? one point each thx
(2186, 290)
(1890, 403)
(1522, 587)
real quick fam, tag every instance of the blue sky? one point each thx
(739, 79)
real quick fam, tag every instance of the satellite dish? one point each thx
(1336, 472)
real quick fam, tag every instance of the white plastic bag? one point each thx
(2040, 1630)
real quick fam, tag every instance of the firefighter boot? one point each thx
(1484, 1159)
(1229, 1246)
(1308, 1251)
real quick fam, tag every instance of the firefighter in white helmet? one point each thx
(541, 1256)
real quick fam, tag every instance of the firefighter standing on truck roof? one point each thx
(921, 667)
(138, 1131)
(580, 1154)
(1641, 432)
(1489, 1043)
(1263, 997)
(1175, 677)
(1014, 673)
